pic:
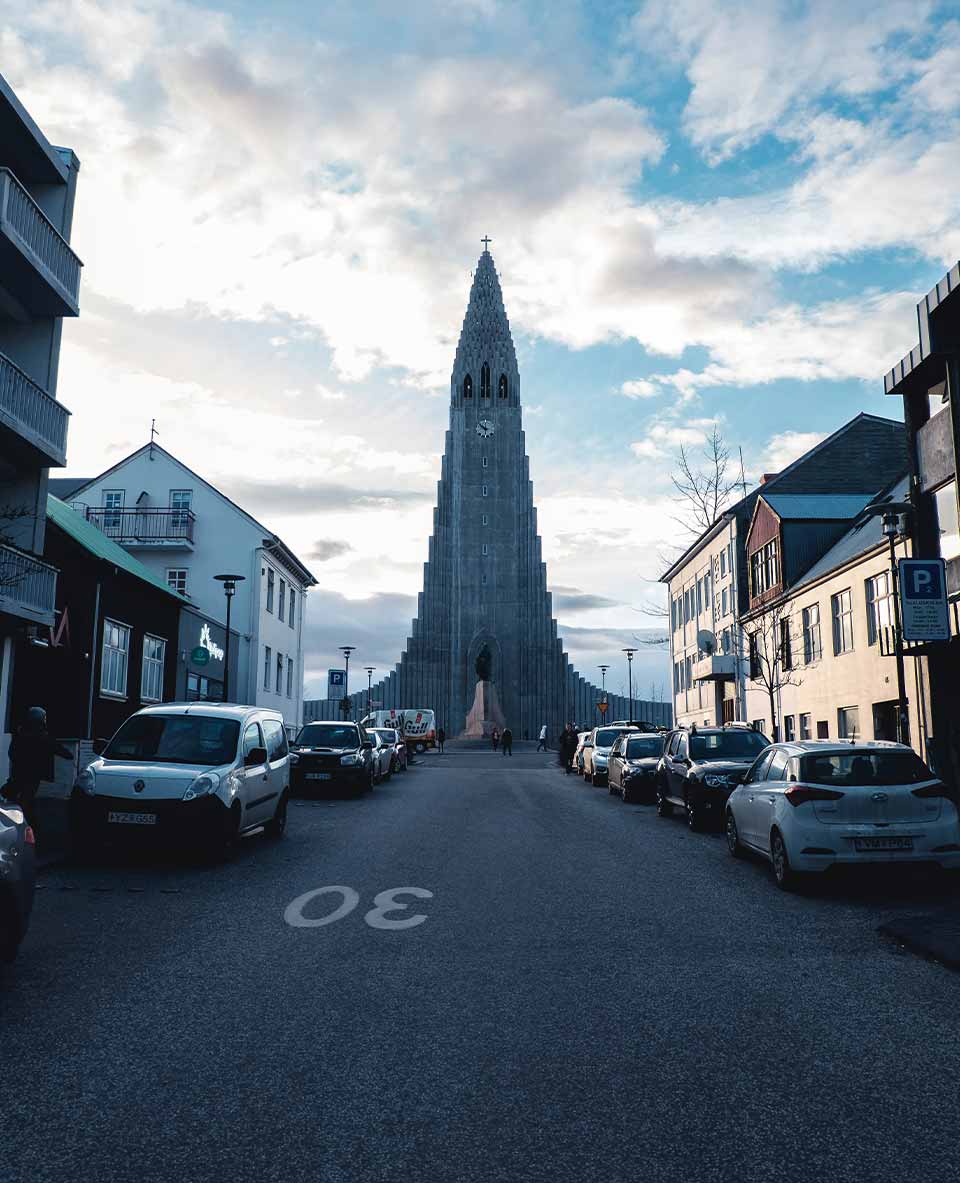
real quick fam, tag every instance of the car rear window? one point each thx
(176, 739)
(724, 745)
(638, 749)
(864, 768)
(328, 735)
(607, 736)
(386, 735)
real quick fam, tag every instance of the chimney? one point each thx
(768, 476)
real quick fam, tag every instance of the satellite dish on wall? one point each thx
(707, 641)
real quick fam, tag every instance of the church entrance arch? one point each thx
(484, 657)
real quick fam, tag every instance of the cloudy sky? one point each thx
(702, 212)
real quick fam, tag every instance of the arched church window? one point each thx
(484, 462)
(484, 381)
(468, 387)
(484, 548)
(504, 389)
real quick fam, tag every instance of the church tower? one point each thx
(485, 615)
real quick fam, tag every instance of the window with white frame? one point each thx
(812, 645)
(267, 656)
(112, 505)
(282, 603)
(805, 730)
(151, 673)
(879, 606)
(177, 579)
(841, 606)
(289, 677)
(279, 682)
(292, 613)
(181, 502)
(848, 722)
(271, 579)
(115, 659)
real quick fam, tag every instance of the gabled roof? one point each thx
(847, 472)
(96, 543)
(816, 507)
(271, 541)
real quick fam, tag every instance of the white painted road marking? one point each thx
(384, 902)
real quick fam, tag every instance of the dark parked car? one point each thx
(701, 767)
(17, 875)
(332, 756)
(632, 768)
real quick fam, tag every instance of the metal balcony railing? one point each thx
(21, 214)
(32, 412)
(132, 527)
(28, 586)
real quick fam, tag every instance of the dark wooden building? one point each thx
(114, 645)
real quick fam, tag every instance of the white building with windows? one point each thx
(186, 531)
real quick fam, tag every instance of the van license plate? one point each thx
(133, 819)
(883, 844)
(318, 775)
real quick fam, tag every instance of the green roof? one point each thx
(100, 546)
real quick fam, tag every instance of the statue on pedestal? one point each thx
(486, 712)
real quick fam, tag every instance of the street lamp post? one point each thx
(229, 589)
(890, 513)
(346, 650)
(630, 653)
(603, 688)
(369, 669)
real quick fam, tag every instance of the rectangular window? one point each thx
(267, 657)
(483, 519)
(279, 682)
(724, 603)
(282, 603)
(484, 548)
(484, 462)
(823, 729)
(848, 722)
(115, 659)
(730, 557)
(676, 677)
(841, 606)
(181, 502)
(292, 614)
(879, 606)
(786, 647)
(270, 583)
(723, 562)
(289, 677)
(789, 728)
(937, 398)
(688, 672)
(699, 596)
(686, 607)
(483, 579)
(202, 689)
(483, 491)
(945, 504)
(151, 674)
(812, 645)
(764, 569)
(177, 579)
(805, 727)
(757, 724)
(112, 504)
(755, 670)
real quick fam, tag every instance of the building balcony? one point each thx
(27, 410)
(39, 269)
(146, 529)
(717, 667)
(28, 586)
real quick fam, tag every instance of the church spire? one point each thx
(485, 353)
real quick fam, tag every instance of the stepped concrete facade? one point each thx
(485, 614)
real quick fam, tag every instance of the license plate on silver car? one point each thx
(132, 819)
(883, 844)
(318, 775)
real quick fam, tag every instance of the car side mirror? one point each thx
(99, 746)
(293, 757)
(254, 757)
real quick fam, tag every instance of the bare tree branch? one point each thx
(770, 636)
(703, 490)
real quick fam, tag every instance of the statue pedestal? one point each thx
(485, 714)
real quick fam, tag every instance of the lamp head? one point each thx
(229, 582)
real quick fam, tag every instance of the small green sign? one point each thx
(200, 656)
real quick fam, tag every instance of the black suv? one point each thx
(701, 767)
(332, 756)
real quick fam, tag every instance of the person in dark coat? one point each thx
(495, 737)
(31, 753)
(568, 746)
(441, 739)
(507, 740)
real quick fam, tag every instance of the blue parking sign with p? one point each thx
(923, 600)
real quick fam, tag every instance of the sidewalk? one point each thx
(935, 934)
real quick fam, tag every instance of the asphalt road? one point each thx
(596, 994)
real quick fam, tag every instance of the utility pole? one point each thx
(630, 653)
(369, 669)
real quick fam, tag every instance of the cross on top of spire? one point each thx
(486, 243)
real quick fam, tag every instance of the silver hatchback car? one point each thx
(17, 878)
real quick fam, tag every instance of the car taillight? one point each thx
(29, 837)
(799, 794)
(937, 790)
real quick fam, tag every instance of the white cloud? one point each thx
(787, 446)
(640, 388)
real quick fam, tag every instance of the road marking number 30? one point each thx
(383, 902)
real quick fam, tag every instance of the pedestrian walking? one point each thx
(441, 736)
(507, 741)
(568, 747)
(31, 754)
(495, 738)
(542, 742)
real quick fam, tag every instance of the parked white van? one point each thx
(194, 772)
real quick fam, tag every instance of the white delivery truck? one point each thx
(418, 726)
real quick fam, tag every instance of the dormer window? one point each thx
(484, 381)
(503, 388)
(468, 387)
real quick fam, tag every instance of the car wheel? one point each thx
(784, 875)
(694, 817)
(277, 825)
(664, 808)
(733, 836)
